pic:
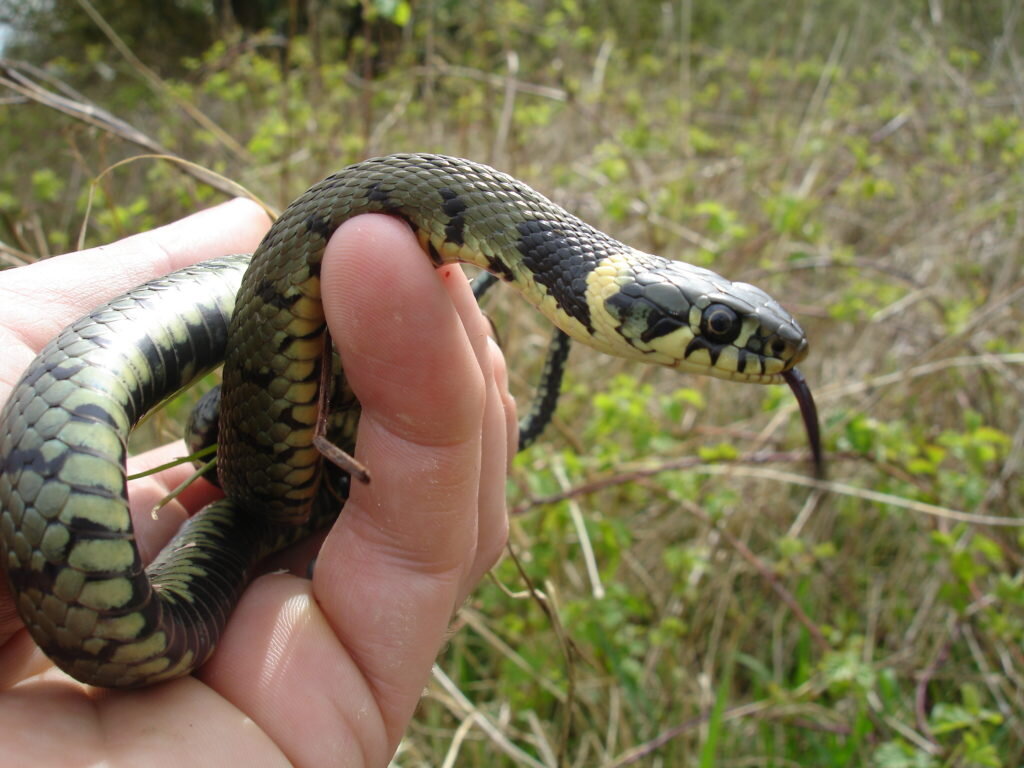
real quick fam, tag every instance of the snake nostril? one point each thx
(778, 346)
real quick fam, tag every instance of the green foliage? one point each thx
(862, 162)
(46, 185)
(899, 754)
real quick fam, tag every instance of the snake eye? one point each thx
(719, 324)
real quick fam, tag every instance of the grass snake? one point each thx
(66, 539)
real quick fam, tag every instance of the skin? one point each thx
(308, 673)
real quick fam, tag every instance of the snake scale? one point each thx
(66, 539)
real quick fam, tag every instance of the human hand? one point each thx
(306, 673)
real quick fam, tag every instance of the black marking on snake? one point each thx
(203, 425)
(618, 304)
(80, 525)
(34, 374)
(453, 207)
(500, 268)
(660, 326)
(259, 377)
(200, 344)
(560, 261)
(318, 226)
(93, 412)
(268, 294)
(181, 358)
(157, 361)
(287, 341)
(104, 340)
(34, 461)
(435, 256)
(699, 342)
(60, 372)
(25, 579)
(629, 307)
(377, 194)
(741, 360)
(209, 335)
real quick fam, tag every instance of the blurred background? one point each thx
(680, 591)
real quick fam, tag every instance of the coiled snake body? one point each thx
(66, 540)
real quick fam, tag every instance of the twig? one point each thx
(864, 493)
(474, 620)
(765, 708)
(925, 369)
(443, 69)
(586, 548)
(643, 750)
(766, 573)
(499, 150)
(12, 76)
(158, 85)
(630, 476)
(565, 644)
(921, 689)
(466, 708)
(16, 257)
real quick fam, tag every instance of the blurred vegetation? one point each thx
(682, 594)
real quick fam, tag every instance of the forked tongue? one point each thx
(809, 413)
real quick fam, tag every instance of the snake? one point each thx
(67, 545)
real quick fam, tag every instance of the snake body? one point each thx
(66, 540)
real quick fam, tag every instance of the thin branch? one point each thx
(462, 706)
(864, 493)
(639, 473)
(158, 85)
(13, 76)
(766, 573)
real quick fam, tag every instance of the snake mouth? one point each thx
(809, 412)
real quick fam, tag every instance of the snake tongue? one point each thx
(809, 412)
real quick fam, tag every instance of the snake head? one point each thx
(694, 320)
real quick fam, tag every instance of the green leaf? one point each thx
(899, 754)
(46, 185)
(718, 452)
